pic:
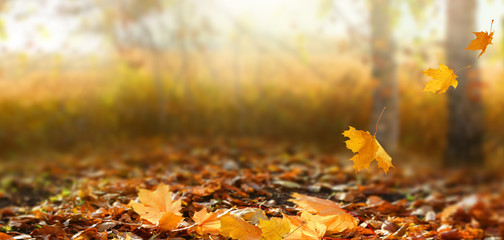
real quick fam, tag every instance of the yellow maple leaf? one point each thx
(442, 79)
(483, 39)
(158, 207)
(274, 228)
(333, 223)
(237, 228)
(206, 222)
(367, 148)
(302, 229)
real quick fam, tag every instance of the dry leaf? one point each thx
(443, 78)
(333, 223)
(169, 221)
(252, 215)
(158, 207)
(275, 228)
(338, 223)
(311, 230)
(206, 222)
(237, 228)
(328, 213)
(367, 148)
(481, 42)
(316, 205)
(5, 236)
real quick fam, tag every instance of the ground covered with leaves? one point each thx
(251, 190)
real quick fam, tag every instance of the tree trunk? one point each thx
(465, 131)
(386, 93)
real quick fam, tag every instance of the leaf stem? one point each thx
(376, 127)
(294, 230)
(491, 25)
(468, 66)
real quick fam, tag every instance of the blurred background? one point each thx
(97, 72)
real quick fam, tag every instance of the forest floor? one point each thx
(86, 194)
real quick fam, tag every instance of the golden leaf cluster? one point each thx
(317, 218)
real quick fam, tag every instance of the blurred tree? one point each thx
(465, 124)
(386, 92)
(145, 30)
(129, 26)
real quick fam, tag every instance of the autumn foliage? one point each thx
(317, 217)
(368, 149)
(442, 79)
(483, 39)
(209, 190)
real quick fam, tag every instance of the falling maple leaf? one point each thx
(443, 78)
(237, 228)
(158, 207)
(367, 148)
(206, 222)
(483, 39)
(274, 228)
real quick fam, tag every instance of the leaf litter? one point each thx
(186, 191)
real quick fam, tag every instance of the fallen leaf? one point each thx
(158, 207)
(300, 229)
(483, 39)
(316, 205)
(367, 148)
(339, 223)
(274, 228)
(252, 215)
(333, 223)
(90, 233)
(443, 78)
(169, 221)
(237, 228)
(49, 231)
(206, 223)
(4, 236)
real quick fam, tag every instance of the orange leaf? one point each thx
(338, 223)
(237, 228)
(329, 213)
(442, 79)
(482, 40)
(316, 205)
(5, 236)
(158, 207)
(206, 222)
(333, 223)
(367, 148)
(169, 221)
